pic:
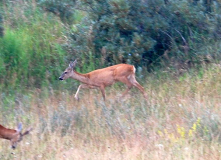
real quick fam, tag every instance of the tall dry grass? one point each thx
(180, 120)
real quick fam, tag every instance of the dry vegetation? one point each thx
(181, 120)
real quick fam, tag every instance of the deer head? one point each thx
(18, 135)
(68, 71)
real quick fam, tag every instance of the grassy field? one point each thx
(180, 120)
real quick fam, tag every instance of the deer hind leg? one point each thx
(128, 83)
(84, 86)
(134, 82)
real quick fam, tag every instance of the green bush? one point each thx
(102, 33)
(30, 50)
(143, 32)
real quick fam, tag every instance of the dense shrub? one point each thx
(40, 35)
(141, 32)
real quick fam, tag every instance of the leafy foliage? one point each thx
(29, 54)
(1, 27)
(63, 9)
(42, 34)
(141, 32)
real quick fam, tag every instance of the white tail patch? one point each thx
(134, 69)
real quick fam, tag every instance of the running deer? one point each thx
(13, 135)
(102, 78)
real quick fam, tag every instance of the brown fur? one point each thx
(13, 135)
(6, 133)
(104, 77)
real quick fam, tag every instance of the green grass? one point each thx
(180, 120)
(30, 50)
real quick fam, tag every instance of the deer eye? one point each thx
(65, 72)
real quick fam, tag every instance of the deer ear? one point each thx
(73, 64)
(19, 127)
(28, 131)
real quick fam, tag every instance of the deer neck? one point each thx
(84, 78)
(7, 133)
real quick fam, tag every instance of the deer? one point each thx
(14, 135)
(101, 78)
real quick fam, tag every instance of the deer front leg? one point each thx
(83, 86)
(102, 88)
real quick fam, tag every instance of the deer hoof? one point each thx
(76, 98)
